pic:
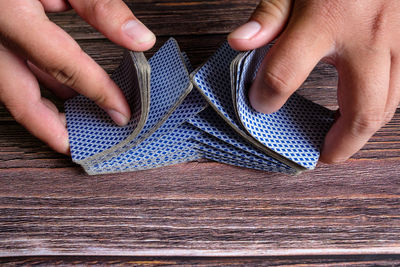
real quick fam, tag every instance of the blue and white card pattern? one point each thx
(90, 129)
(172, 124)
(169, 85)
(162, 147)
(167, 145)
(218, 134)
(294, 133)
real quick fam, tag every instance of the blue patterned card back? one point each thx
(170, 138)
(294, 133)
(90, 128)
(169, 85)
(171, 124)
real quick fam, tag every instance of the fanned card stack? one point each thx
(180, 117)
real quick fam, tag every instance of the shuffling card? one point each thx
(179, 117)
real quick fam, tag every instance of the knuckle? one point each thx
(65, 74)
(378, 24)
(274, 8)
(101, 8)
(99, 98)
(21, 115)
(20, 110)
(366, 123)
(275, 82)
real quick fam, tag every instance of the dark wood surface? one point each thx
(51, 212)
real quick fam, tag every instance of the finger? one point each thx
(60, 90)
(362, 94)
(393, 98)
(115, 20)
(55, 5)
(267, 21)
(289, 62)
(61, 57)
(19, 91)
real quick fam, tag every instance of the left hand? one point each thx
(32, 49)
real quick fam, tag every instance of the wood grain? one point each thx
(48, 206)
(199, 209)
(167, 18)
(342, 260)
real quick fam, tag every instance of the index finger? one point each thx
(116, 21)
(27, 30)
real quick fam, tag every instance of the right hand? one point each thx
(360, 38)
(32, 49)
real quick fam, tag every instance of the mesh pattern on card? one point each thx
(171, 124)
(209, 122)
(90, 128)
(158, 146)
(169, 85)
(211, 145)
(296, 131)
(214, 82)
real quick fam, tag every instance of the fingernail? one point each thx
(67, 147)
(138, 32)
(117, 117)
(63, 119)
(63, 143)
(246, 31)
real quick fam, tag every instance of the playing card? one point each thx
(172, 124)
(293, 135)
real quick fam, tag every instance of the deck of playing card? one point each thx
(174, 121)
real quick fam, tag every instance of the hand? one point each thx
(360, 38)
(33, 48)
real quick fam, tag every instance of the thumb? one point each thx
(267, 21)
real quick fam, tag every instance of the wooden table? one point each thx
(213, 214)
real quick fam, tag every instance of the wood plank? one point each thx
(353, 260)
(201, 208)
(166, 18)
(48, 206)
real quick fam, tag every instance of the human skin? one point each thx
(32, 49)
(361, 38)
